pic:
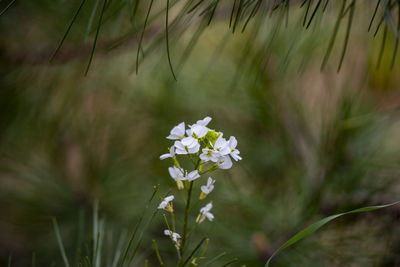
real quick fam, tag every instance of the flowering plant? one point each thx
(207, 150)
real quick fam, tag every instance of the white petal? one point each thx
(193, 175)
(176, 235)
(165, 156)
(225, 163)
(204, 121)
(204, 189)
(172, 151)
(167, 232)
(232, 142)
(200, 130)
(162, 205)
(180, 148)
(189, 142)
(194, 149)
(169, 198)
(172, 172)
(235, 155)
(209, 216)
(177, 132)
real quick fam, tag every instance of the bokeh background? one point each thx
(313, 142)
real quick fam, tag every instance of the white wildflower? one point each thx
(174, 236)
(210, 155)
(224, 162)
(177, 175)
(171, 153)
(207, 189)
(182, 149)
(178, 132)
(195, 132)
(191, 176)
(222, 146)
(166, 205)
(234, 152)
(205, 213)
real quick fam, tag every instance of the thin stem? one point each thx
(158, 253)
(185, 220)
(173, 222)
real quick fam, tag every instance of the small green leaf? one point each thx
(60, 243)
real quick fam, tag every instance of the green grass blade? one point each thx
(91, 18)
(313, 14)
(9, 260)
(213, 12)
(67, 31)
(141, 236)
(333, 37)
(215, 258)
(252, 14)
(387, 8)
(158, 253)
(142, 35)
(118, 250)
(397, 35)
(195, 6)
(238, 15)
(193, 251)
(60, 243)
(325, 6)
(382, 47)
(230, 262)
(346, 40)
(95, 228)
(167, 41)
(307, 10)
(96, 37)
(81, 230)
(7, 7)
(232, 12)
(315, 226)
(373, 16)
(126, 251)
(135, 8)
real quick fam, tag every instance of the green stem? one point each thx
(185, 220)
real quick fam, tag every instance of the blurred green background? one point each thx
(313, 142)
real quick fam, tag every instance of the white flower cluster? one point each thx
(198, 139)
(208, 150)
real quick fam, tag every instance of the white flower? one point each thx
(205, 213)
(174, 236)
(222, 146)
(181, 149)
(171, 153)
(197, 131)
(191, 176)
(204, 122)
(178, 132)
(165, 204)
(207, 189)
(224, 162)
(177, 175)
(190, 142)
(234, 152)
(210, 155)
